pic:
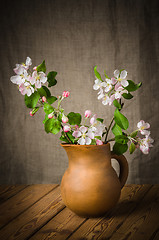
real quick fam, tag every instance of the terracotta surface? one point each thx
(90, 186)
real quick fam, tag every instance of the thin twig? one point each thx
(109, 129)
(66, 135)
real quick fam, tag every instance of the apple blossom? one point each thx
(66, 128)
(38, 78)
(87, 113)
(108, 85)
(26, 88)
(19, 69)
(98, 84)
(66, 94)
(64, 119)
(99, 142)
(120, 77)
(35, 68)
(44, 99)
(119, 90)
(142, 126)
(86, 135)
(96, 126)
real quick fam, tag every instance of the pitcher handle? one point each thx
(124, 169)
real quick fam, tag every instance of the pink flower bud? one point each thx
(44, 99)
(87, 113)
(50, 115)
(34, 68)
(66, 94)
(64, 119)
(31, 113)
(99, 142)
(76, 127)
(66, 128)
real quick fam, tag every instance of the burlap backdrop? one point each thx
(74, 36)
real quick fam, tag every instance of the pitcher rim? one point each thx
(78, 145)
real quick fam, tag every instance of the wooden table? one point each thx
(37, 212)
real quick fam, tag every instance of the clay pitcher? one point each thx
(90, 186)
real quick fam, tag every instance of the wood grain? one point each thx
(60, 227)
(21, 201)
(144, 221)
(7, 191)
(105, 227)
(34, 218)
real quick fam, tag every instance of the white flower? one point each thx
(108, 85)
(19, 69)
(84, 134)
(145, 144)
(26, 88)
(96, 126)
(100, 94)
(108, 100)
(38, 78)
(142, 126)
(19, 79)
(121, 77)
(119, 90)
(98, 84)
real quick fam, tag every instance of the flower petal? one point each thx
(123, 74)
(124, 83)
(116, 73)
(88, 141)
(90, 134)
(83, 129)
(81, 141)
(76, 134)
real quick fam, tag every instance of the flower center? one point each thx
(119, 79)
(83, 135)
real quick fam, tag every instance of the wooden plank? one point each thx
(21, 201)
(60, 227)
(8, 191)
(34, 218)
(143, 223)
(106, 226)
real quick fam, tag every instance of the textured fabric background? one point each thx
(74, 36)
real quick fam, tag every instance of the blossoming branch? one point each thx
(74, 128)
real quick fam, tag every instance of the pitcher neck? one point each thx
(91, 155)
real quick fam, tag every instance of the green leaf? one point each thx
(106, 74)
(134, 134)
(117, 104)
(93, 142)
(51, 78)
(132, 86)
(100, 120)
(119, 148)
(46, 118)
(48, 93)
(42, 92)
(97, 73)
(116, 130)
(72, 138)
(98, 137)
(74, 118)
(48, 108)
(52, 126)
(121, 139)
(31, 101)
(51, 99)
(121, 120)
(132, 148)
(63, 138)
(41, 67)
(127, 95)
